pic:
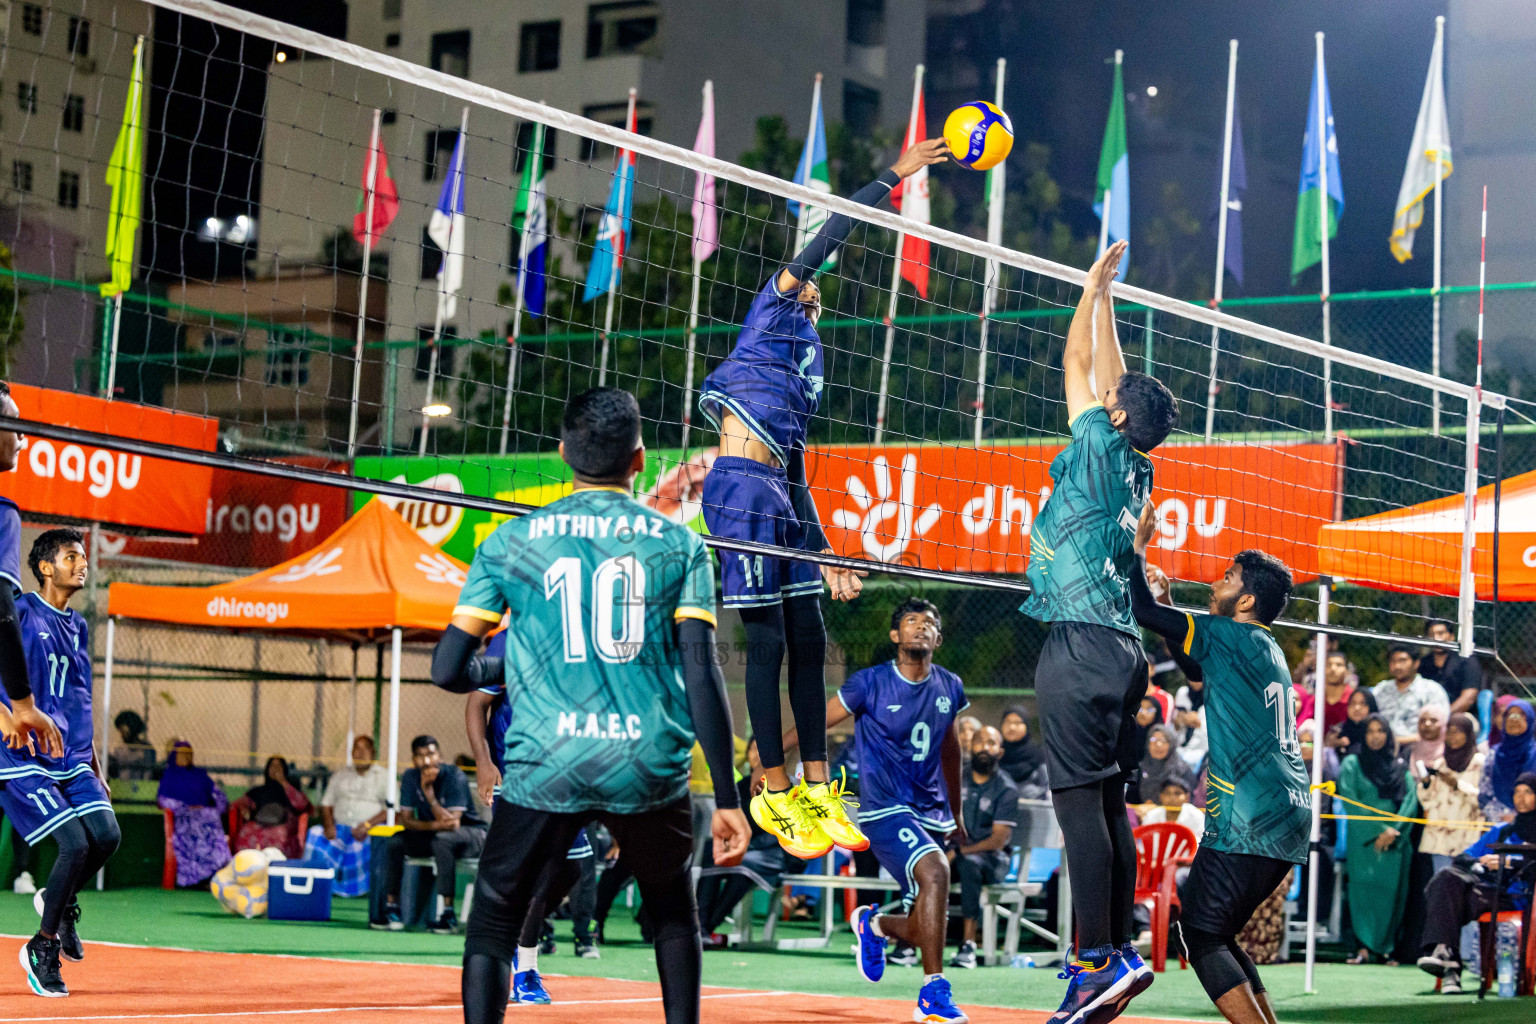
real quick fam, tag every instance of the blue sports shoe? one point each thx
(1140, 968)
(936, 1005)
(870, 952)
(528, 987)
(1094, 996)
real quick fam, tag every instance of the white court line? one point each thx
(352, 1009)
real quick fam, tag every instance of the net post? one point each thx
(394, 724)
(1467, 606)
(1319, 718)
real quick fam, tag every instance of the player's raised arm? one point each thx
(1160, 618)
(1090, 370)
(835, 231)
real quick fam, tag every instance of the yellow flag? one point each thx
(125, 177)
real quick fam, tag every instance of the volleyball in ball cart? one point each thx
(979, 135)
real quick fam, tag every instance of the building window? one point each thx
(444, 353)
(539, 46)
(74, 113)
(866, 22)
(450, 53)
(26, 97)
(79, 42)
(431, 257)
(614, 29)
(614, 114)
(392, 41)
(861, 107)
(439, 158)
(525, 146)
(32, 19)
(287, 361)
(391, 10)
(21, 175)
(69, 190)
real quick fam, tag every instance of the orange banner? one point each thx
(94, 484)
(970, 510)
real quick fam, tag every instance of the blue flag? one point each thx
(1308, 246)
(1237, 184)
(613, 232)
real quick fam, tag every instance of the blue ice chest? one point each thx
(299, 890)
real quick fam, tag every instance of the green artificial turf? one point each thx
(191, 919)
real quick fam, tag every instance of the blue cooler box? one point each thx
(299, 890)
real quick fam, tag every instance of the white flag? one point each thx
(1430, 152)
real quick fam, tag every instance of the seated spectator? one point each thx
(1401, 697)
(1173, 805)
(1157, 765)
(134, 758)
(1189, 721)
(990, 813)
(269, 813)
(719, 894)
(197, 804)
(1496, 719)
(1430, 744)
(437, 814)
(1348, 737)
(1330, 826)
(1463, 892)
(1514, 755)
(966, 725)
(1339, 682)
(1305, 672)
(1021, 760)
(355, 800)
(1378, 856)
(1448, 791)
(1461, 677)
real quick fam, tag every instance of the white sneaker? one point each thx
(37, 901)
(24, 884)
(1450, 983)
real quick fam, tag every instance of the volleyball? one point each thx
(250, 867)
(979, 135)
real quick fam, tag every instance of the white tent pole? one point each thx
(1221, 235)
(362, 293)
(394, 724)
(106, 698)
(352, 707)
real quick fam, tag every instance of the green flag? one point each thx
(1307, 248)
(1114, 173)
(125, 177)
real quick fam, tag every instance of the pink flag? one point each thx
(706, 217)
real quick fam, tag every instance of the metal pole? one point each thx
(514, 353)
(1108, 193)
(371, 178)
(995, 200)
(352, 706)
(613, 267)
(517, 297)
(689, 349)
(394, 724)
(1434, 334)
(1467, 605)
(117, 323)
(901, 239)
(437, 324)
(1221, 234)
(1319, 703)
(1322, 212)
(106, 716)
(133, 159)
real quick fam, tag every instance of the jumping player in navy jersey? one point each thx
(761, 399)
(904, 714)
(61, 796)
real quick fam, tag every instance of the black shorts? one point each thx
(1088, 684)
(1224, 889)
(526, 850)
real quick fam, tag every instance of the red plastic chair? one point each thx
(235, 823)
(1160, 851)
(168, 876)
(1487, 935)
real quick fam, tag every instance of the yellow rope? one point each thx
(1377, 814)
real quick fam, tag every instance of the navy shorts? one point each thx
(581, 847)
(746, 500)
(898, 842)
(37, 803)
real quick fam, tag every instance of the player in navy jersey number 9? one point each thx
(762, 398)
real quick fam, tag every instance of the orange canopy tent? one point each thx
(373, 577)
(1418, 549)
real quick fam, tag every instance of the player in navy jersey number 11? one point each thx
(762, 398)
(63, 796)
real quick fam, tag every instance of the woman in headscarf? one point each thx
(1022, 761)
(1378, 856)
(1349, 735)
(1431, 742)
(270, 813)
(1496, 719)
(1159, 763)
(197, 804)
(1514, 756)
(1448, 791)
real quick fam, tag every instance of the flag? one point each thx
(1429, 158)
(531, 220)
(125, 177)
(446, 229)
(1115, 172)
(1308, 246)
(706, 218)
(910, 196)
(1237, 184)
(613, 231)
(386, 199)
(813, 172)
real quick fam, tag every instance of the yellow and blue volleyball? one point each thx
(250, 867)
(979, 135)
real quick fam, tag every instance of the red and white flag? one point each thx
(910, 196)
(386, 200)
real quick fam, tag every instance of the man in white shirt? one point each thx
(354, 801)
(1402, 697)
(1173, 805)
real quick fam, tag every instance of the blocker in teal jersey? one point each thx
(593, 584)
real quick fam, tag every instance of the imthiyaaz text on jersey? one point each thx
(597, 527)
(612, 726)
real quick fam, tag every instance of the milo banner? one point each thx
(949, 507)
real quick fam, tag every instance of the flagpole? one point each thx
(1221, 235)
(437, 324)
(131, 160)
(117, 323)
(1108, 193)
(693, 301)
(517, 298)
(1434, 334)
(995, 200)
(1322, 213)
(362, 300)
(807, 157)
(901, 238)
(613, 267)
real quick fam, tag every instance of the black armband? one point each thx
(458, 667)
(835, 231)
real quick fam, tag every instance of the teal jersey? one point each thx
(1080, 544)
(1258, 800)
(593, 584)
